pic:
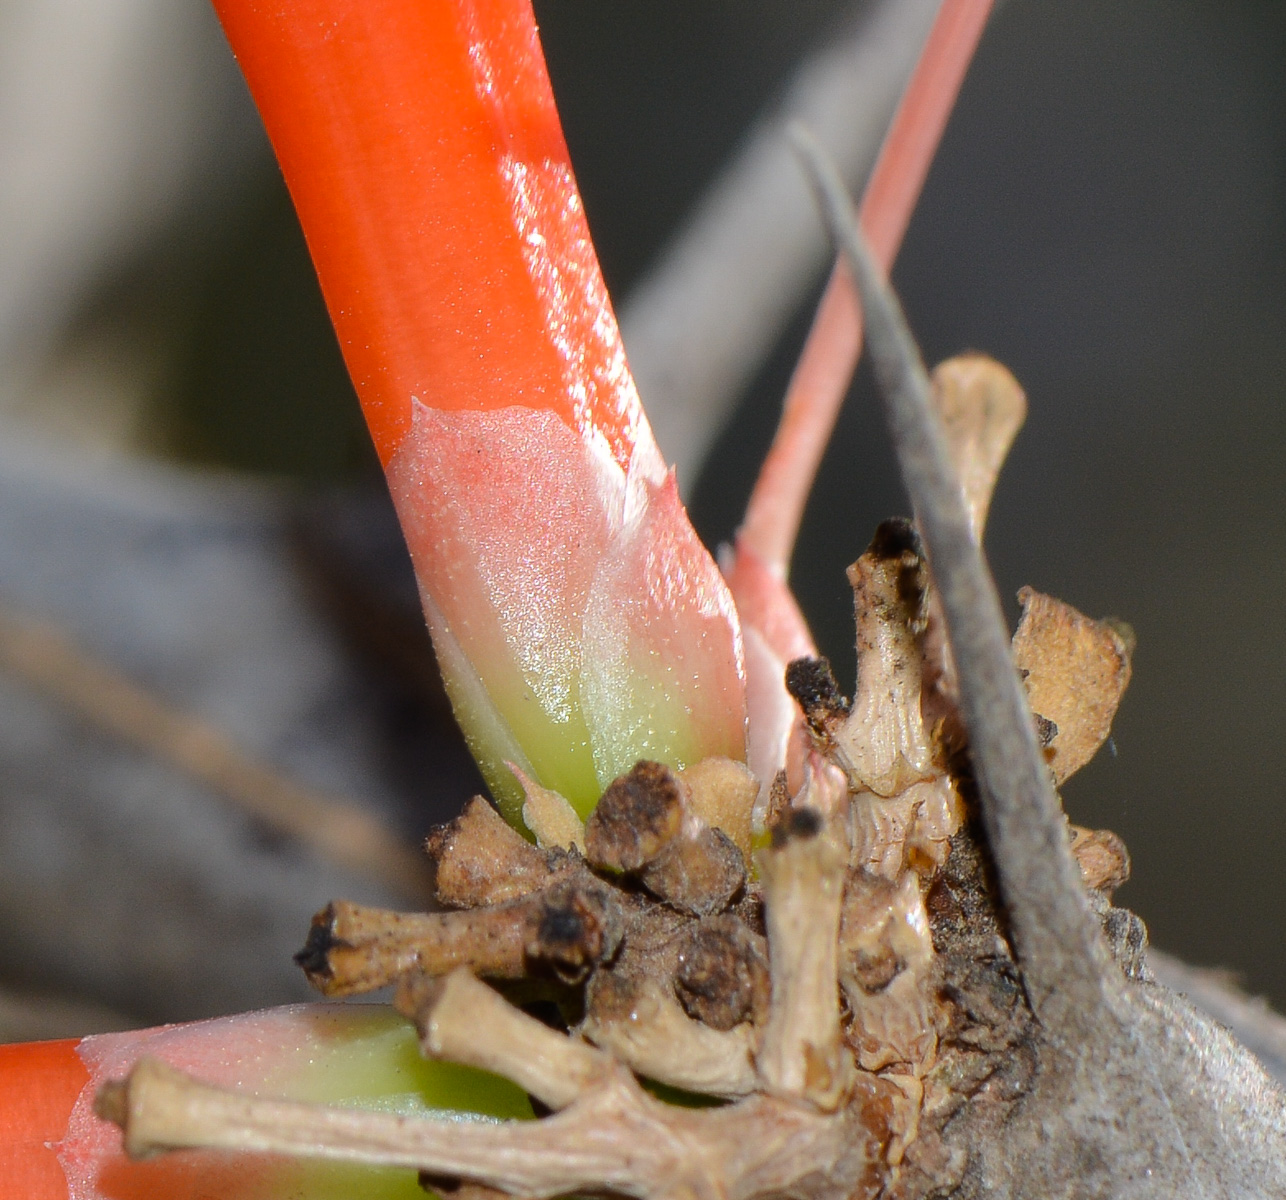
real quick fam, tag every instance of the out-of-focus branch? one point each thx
(700, 324)
(344, 833)
(102, 107)
(38, 1017)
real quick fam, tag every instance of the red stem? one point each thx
(830, 354)
(397, 124)
(39, 1085)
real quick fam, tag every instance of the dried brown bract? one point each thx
(635, 820)
(1102, 858)
(722, 976)
(811, 683)
(645, 825)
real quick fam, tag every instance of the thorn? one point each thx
(1066, 967)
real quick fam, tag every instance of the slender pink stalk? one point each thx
(773, 629)
(830, 354)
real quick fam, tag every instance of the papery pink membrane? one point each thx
(663, 675)
(775, 633)
(580, 623)
(507, 515)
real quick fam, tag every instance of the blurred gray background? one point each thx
(189, 495)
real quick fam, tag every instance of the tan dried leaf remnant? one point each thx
(480, 861)
(883, 743)
(1075, 670)
(904, 808)
(982, 409)
(722, 793)
(1102, 858)
(549, 815)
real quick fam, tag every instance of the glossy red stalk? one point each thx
(393, 121)
(39, 1086)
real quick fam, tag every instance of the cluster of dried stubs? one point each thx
(820, 964)
(852, 997)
